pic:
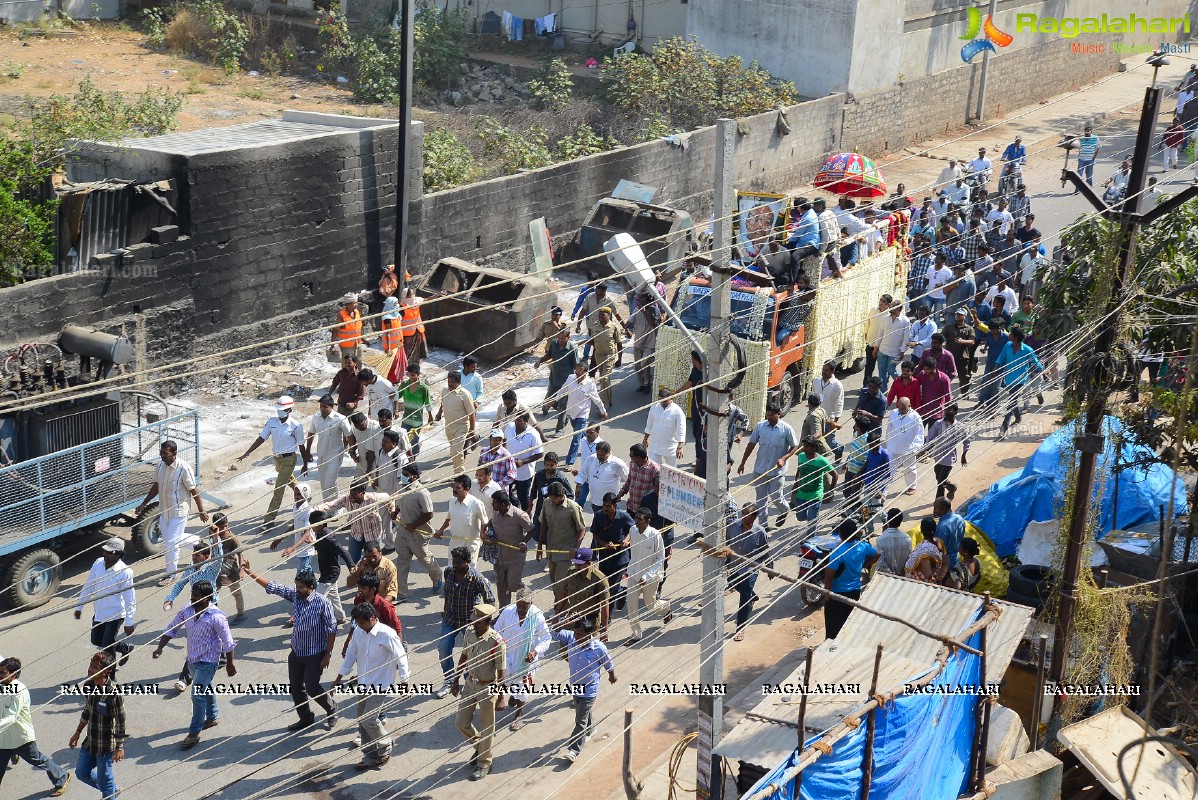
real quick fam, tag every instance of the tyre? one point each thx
(32, 579)
(1024, 600)
(810, 596)
(787, 390)
(858, 365)
(147, 535)
(1031, 580)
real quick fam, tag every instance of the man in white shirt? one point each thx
(1184, 96)
(387, 478)
(939, 275)
(581, 392)
(600, 474)
(896, 333)
(466, 518)
(332, 435)
(17, 736)
(981, 166)
(286, 440)
(1002, 289)
(482, 487)
(904, 438)
(942, 205)
(382, 662)
(665, 430)
(646, 558)
(873, 334)
(366, 437)
(524, 443)
(380, 392)
(175, 485)
(109, 588)
(830, 390)
(1002, 216)
(948, 175)
(958, 193)
(847, 219)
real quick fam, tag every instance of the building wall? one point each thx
(655, 19)
(865, 46)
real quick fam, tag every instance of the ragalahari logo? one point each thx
(993, 36)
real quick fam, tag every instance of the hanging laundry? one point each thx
(507, 24)
(546, 25)
(527, 29)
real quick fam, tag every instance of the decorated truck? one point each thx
(782, 337)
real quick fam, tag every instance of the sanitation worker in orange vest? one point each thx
(391, 326)
(414, 345)
(348, 333)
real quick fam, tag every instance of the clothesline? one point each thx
(515, 26)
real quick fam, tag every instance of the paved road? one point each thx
(249, 754)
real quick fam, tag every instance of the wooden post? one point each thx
(983, 736)
(632, 787)
(1038, 698)
(867, 766)
(803, 717)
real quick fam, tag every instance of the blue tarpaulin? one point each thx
(1035, 493)
(922, 744)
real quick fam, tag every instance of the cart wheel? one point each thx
(32, 579)
(147, 535)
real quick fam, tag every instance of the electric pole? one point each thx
(709, 781)
(403, 142)
(1099, 375)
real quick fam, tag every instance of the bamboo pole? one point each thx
(942, 638)
(632, 787)
(1038, 697)
(867, 765)
(803, 717)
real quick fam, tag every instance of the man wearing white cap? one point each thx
(523, 628)
(286, 440)
(174, 485)
(347, 334)
(109, 588)
(483, 663)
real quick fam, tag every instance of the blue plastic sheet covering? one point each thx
(922, 745)
(1035, 493)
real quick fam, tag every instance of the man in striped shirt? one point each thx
(1088, 148)
(208, 639)
(312, 642)
(365, 524)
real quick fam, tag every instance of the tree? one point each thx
(1158, 317)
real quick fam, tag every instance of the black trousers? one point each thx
(613, 569)
(871, 361)
(304, 673)
(836, 613)
(521, 493)
(942, 471)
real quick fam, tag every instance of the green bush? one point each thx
(688, 86)
(553, 89)
(199, 27)
(31, 151)
(512, 149)
(447, 161)
(584, 142)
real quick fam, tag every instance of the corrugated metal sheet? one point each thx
(933, 608)
(1161, 773)
(102, 226)
(254, 134)
(767, 733)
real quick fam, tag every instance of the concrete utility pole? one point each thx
(1098, 374)
(985, 68)
(403, 143)
(711, 639)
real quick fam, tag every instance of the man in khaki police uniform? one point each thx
(483, 663)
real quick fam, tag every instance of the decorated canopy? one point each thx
(851, 175)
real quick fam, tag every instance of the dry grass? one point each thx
(187, 33)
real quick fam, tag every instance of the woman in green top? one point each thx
(417, 402)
